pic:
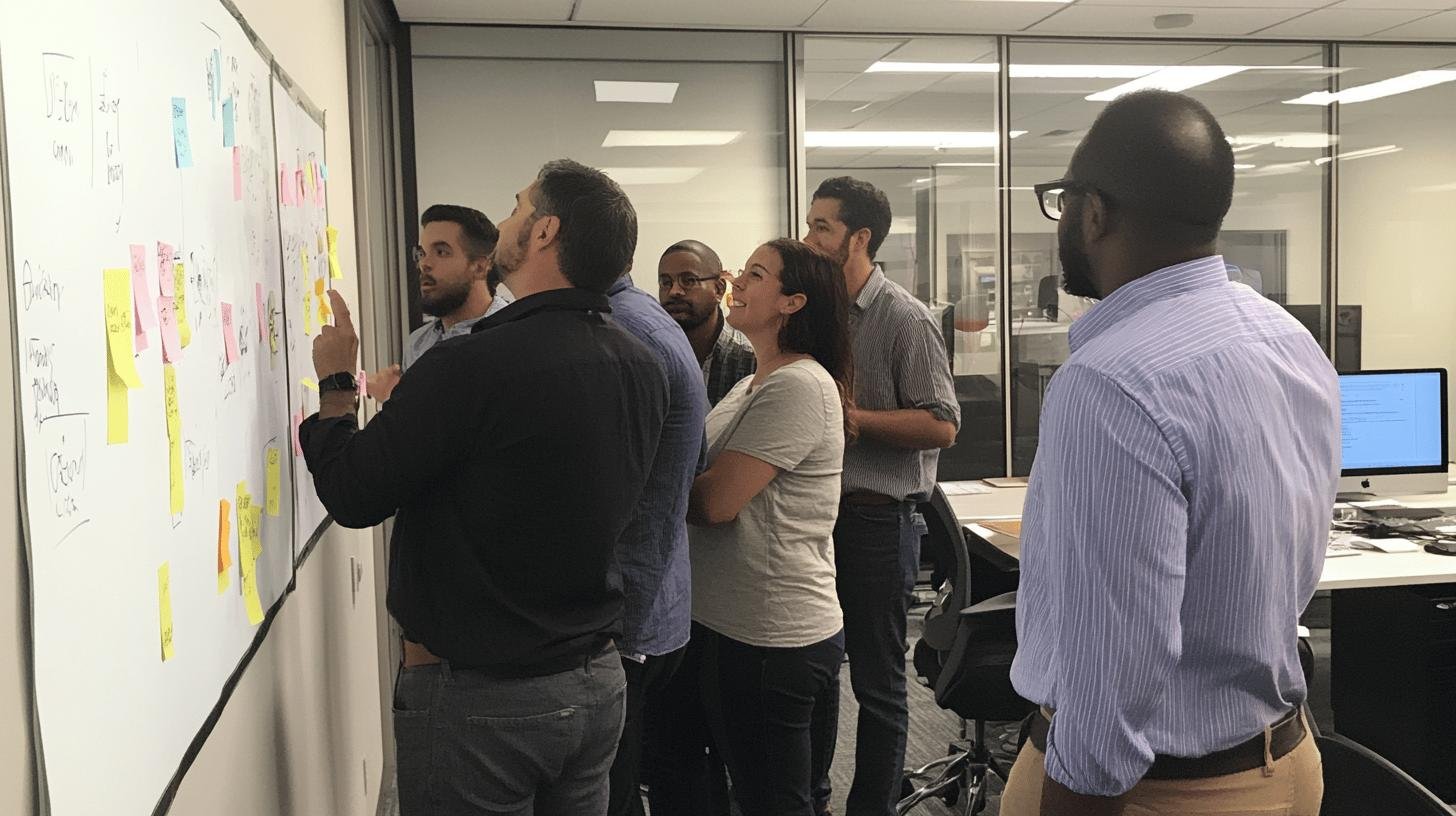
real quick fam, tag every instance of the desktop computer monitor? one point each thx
(1393, 432)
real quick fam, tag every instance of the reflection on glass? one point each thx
(916, 118)
(1274, 236)
(1397, 207)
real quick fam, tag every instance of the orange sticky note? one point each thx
(224, 549)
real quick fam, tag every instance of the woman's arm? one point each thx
(722, 491)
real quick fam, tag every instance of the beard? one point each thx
(505, 260)
(445, 299)
(689, 316)
(1076, 265)
(841, 255)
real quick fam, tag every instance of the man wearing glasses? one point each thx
(690, 286)
(1176, 519)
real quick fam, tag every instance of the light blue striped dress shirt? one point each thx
(1175, 525)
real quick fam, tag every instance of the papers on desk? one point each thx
(963, 488)
(1002, 481)
(1351, 545)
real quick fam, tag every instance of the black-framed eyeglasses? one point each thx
(1052, 195)
(439, 251)
(687, 282)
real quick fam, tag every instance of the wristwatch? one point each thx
(342, 381)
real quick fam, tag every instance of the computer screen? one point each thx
(1393, 422)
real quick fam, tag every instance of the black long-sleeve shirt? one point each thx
(513, 459)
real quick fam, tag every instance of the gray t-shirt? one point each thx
(767, 578)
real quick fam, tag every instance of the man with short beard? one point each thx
(691, 286)
(457, 284)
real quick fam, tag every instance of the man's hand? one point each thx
(337, 347)
(382, 382)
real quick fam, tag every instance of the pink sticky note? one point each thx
(299, 195)
(139, 339)
(363, 384)
(285, 185)
(237, 173)
(171, 338)
(297, 420)
(164, 269)
(258, 294)
(141, 291)
(318, 189)
(229, 335)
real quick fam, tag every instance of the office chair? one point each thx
(965, 653)
(1359, 781)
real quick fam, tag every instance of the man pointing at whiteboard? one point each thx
(512, 460)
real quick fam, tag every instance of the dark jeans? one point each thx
(471, 744)
(646, 683)
(760, 704)
(682, 766)
(876, 555)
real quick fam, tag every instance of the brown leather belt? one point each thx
(1284, 736)
(865, 498)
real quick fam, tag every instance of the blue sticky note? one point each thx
(227, 122)
(324, 171)
(181, 145)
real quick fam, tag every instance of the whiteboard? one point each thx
(93, 97)
(303, 217)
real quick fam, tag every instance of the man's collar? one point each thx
(1170, 281)
(619, 285)
(570, 299)
(872, 288)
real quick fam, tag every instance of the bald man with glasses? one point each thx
(691, 286)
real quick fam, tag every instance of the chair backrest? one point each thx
(946, 543)
(1359, 781)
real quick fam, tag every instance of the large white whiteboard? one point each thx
(92, 94)
(303, 218)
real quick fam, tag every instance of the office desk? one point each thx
(1368, 569)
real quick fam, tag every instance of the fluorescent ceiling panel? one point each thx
(671, 138)
(1302, 141)
(1376, 90)
(633, 176)
(1018, 71)
(1360, 154)
(938, 139)
(660, 93)
(1171, 78)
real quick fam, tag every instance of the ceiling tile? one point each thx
(1343, 23)
(1138, 21)
(1419, 5)
(756, 13)
(929, 15)
(1192, 6)
(1436, 27)
(483, 11)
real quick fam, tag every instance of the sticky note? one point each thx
(282, 188)
(144, 310)
(324, 171)
(229, 138)
(117, 420)
(174, 434)
(308, 382)
(334, 270)
(272, 323)
(171, 340)
(139, 340)
(237, 174)
(224, 550)
(116, 288)
(362, 380)
(251, 602)
(258, 302)
(229, 334)
(312, 179)
(164, 608)
(323, 302)
(274, 461)
(307, 310)
(318, 194)
(164, 263)
(322, 245)
(297, 444)
(181, 144)
(298, 193)
(179, 288)
(303, 258)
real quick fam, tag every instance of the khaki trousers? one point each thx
(1292, 785)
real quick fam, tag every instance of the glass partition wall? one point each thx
(1345, 171)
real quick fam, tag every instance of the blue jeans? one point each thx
(877, 556)
(472, 744)
(760, 703)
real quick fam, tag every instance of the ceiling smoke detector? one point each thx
(1164, 22)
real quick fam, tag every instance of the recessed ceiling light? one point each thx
(661, 93)
(1375, 90)
(861, 107)
(1171, 78)
(1297, 140)
(966, 164)
(671, 138)
(631, 176)
(937, 139)
(1360, 154)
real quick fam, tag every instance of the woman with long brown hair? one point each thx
(762, 516)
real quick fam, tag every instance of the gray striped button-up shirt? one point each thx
(427, 336)
(1175, 525)
(899, 362)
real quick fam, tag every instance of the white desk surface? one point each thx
(1368, 569)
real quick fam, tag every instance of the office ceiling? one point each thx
(1384, 20)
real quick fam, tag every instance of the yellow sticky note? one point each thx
(119, 330)
(164, 607)
(275, 476)
(307, 382)
(224, 550)
(303, 256)
(251, 601)
(312, 182)
(117, 421)
(334, 270)
(323, 302)
(307, 310)
(174, 436)
(179, 287)
(174, 469)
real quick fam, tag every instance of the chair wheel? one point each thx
(952, 794)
